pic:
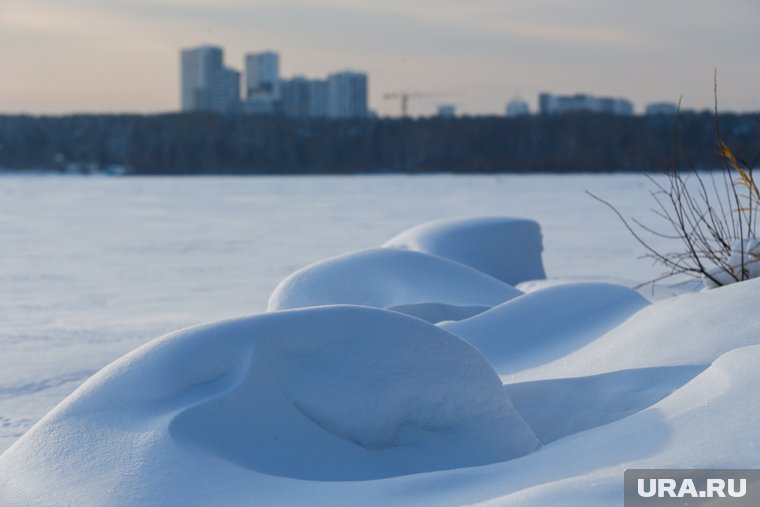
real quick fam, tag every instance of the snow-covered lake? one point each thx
(92, 267)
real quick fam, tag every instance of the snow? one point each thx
(331, 393)
(506, 248)
(707, 420)
(556, 408)
(369, 407)
(743, 263)
(547, 323)
(707, 423)
(438, 312)
(692, 329)
(389, 277)
(653, 292)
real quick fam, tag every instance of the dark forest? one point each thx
(201, 143)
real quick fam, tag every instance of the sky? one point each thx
(64, 56)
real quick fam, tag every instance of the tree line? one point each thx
(206, 143)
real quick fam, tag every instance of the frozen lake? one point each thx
(92, 267)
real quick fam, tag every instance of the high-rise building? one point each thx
(294, 101)
(262, 75)
(347, 95)
(198, 66)
(225, 92)
(576, 103)
(623, 107)
(206, 84)
(560, 104)
(302, 97)
(545, 103)
(318, 98)
(262, 82)
(517, 107)
(611, 105)
(446, 110)
(664, 108)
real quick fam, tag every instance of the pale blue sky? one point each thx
(122, 55)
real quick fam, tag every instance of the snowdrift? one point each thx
(546, 324)
(386, 277)
(692, 329)
(557, 408)
(710, 422)
(361, 406)
(333, 393)
(506, 248)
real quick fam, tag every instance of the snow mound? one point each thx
(710, 422)
(557, 408)
(332, 393)
(386, 277)
(694, 328)
(506, 248)
(546, 324)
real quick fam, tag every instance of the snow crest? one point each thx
(506, 248)
(547, 324)
(387, 277)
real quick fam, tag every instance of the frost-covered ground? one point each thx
(91, 268)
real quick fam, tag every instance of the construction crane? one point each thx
(406, 96)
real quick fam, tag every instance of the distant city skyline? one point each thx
(208, 84)
(64, 56)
